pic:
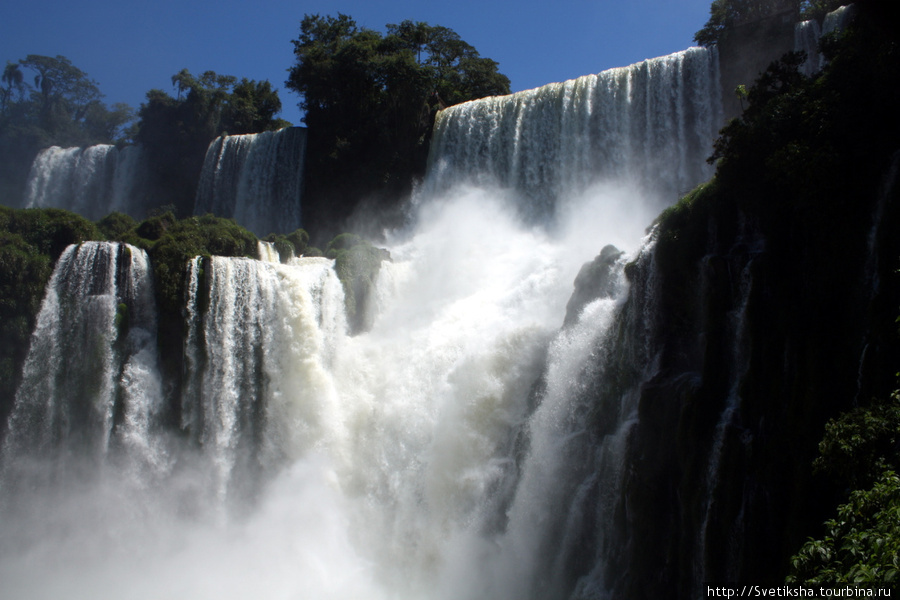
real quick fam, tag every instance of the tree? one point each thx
(726, 15)
(13, 79)
(861, 545)
(369, 101)
(251, 107)
(62, 93)
(46, 101)
(175, 132)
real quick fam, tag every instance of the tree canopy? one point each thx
(204, 107)
(47, 101)
(726, 15)
(369, 101)
(54, 96)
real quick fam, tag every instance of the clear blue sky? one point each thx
(130, 47)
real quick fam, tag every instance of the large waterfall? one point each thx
(255, 179)
(649, 125)
(92, 181)
(491, 435)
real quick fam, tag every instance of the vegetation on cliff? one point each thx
(176, 131)
(30, 242)
(369, 101)
(725, 16)
(62, 107)
(797, 225)
(861, 450)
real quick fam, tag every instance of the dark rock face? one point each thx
(596, 279)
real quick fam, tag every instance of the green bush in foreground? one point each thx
(861, 545)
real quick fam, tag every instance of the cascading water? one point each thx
(450, 451)
(91, 368)
(806, 39)
(650, 124)
(808, 33)
(92, 181)
(255, 179)
(267, 338)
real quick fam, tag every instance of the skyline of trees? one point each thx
(368, 136)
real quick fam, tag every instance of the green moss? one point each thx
(30, 241)
(115, 225)
(49, 230)
(300, 239)
(121, 320)
(344, 241)
(155, 227)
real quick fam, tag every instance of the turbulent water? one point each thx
(92, 181)
(256, 179)
(441, 454)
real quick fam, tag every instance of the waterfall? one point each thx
(808, 33)
(476, 441)
(90, 378)
(651, 124)
(267, 336)
(92, 181)
(806, 39)
(266, 252)
(255, 179)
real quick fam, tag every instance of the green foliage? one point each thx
(344, 241)
(30, 241)
(370, 100)
(283, 245)
(47, 101)
(861, 444)
(48, 230)
(862, 545)
(727, 15)
(300, 239)
(23, 274)
(154, 227)
(251, 108)
(174, 243)
(205, 107)
(115, 224)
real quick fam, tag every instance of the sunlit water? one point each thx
(419, 459)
